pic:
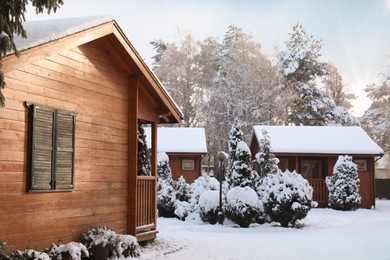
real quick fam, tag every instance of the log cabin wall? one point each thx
(175, 162)
(90, 81)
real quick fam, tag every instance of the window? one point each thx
(188, 164)
(51, 149)
(361, 164)
(311, 169)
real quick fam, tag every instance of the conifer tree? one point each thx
(266, 160)
(182, 189)
(165, 187)
(11, 24)
(235, 136)
(344, 185)
(242, 174)
(143, 153)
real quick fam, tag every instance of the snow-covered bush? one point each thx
(165, 191)
(182, 209)
(200, 185)
(166, 199)
(3, 246)
(268, 163)
(242, 206)
(235, 136)
(344, 184)
(208, 206)
(96, 236)
(197, 188)
(120, 246)
(124, 246)
(242, 174)
(28, 254)
(182, 189)
(72, 250)
(286, 197)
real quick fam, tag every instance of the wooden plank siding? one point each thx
(175, 164)
(88, 81)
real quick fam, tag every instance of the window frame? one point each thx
(183, 161)
(50, 165)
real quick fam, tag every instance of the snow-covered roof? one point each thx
(44, 31)
(319, 139)
(179, 139)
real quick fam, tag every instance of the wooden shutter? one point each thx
(64, 150)
(51, 149)
(41, 148)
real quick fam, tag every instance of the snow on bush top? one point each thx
(242, 147)
(283, 186)
(209, 200)
(344, 162)
(162, 157)
(75, 250)
(242, 195)
(202, 184)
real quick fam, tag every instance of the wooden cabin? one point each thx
(68, 134)
(185, 148)
(313, 151)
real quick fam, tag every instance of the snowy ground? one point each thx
(325, 234)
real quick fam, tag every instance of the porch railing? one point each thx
(146, 203)
(320, 191)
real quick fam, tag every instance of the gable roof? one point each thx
(179, 139)
(44, 31)
(319, 140)
(48, 37)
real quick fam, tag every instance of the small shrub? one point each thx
(287, 197)
(72, 250)
(120, 246)
(242, 206)
(3, 246)
(124, 246)
(96, 236)
(28, 255)
(208, 206)
(182, 189)
(165, 199)
(182, 209)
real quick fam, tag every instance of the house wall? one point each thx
(175, 164)
(90, 81)
(366, 177)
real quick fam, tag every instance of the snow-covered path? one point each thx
(326, 234)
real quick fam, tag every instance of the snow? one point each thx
(209, 200)
(162, 157)
(179, 139)
(40, 32)
(319, 139)
(324, 234)
(243, 195)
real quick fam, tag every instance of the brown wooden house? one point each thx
(68, 134)
(313, 151)
(185, 148)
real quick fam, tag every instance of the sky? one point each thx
(355, 33)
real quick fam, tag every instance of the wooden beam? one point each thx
(133, 148)
(154, 168)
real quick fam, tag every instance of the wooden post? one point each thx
(154, 169)
(133, 148)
